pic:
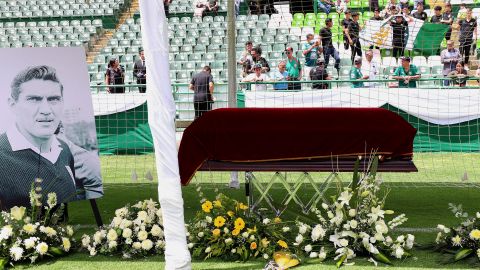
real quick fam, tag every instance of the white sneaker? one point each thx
(234, 185)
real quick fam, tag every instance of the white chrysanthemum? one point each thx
(353, 224)
(142, 215)
(308, 248)
(156, 231)
(208, 219)
(16, 253)
(30, 242)
(352, 212)
(302, 228)
(121, 212)
(127, 233)
(112, 235)
(125, 224)
(313, 255)
(52, 199)
(42, 248)
(49, 231)
(318, 233)
(299, 239)
(137, 245)
(17, 213)
(147, 244)
(30, 228)
(208, 249)
(142, 235)
(66, 244)
(266, 221)
(6, 232)
(399, 252)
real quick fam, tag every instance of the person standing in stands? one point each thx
(376, 15)
(345, 23)
(370, 68)
(310, 52)
(356, 73)
(399, 32)
(281, 76)
(437, 16)
(115, 76)
(319, 73)
(468, 35)
(140, 71)
(257, 76)
(420, 14)
(294, 70)
(246, 61)
(327, 45)
(447, 18)
(258, 59)
(449, 58)
(407, 74)
(353, 36)
(202, 85)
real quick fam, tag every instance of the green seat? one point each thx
(365, 4)
(321, 17)
(264, 17)
(298, 17)
(269, 39)
(297, 23)
(278, 47)
(309, 23)
(183, 57)
(208, 57)
(354, 4)
(257, 32)
(310, 16)
(200, 48)
(221, 56)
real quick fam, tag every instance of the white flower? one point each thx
(478, 214)
(330, 214)
(352, 212)
(125, 224)
(121, 212)
(353, 223)
(112, 235)
(17, 213)
(266, 221)
(156, 231)
(345, 197)
(137, 245)
(208, 219)
(322, 255)
(97, 237)
(69, 230)
(381, 227)
(66, 244)
(457, 241)
(127, 233)
(112, 244)
(399, 252)
(245, 234)
(142, 215)
(29, 242)
(343, 242)
(51, 199)
(228, 241)
(265, 256)
(142, 235)
(128, 241)
(375, 213)
(325, 206)
(147, 244)
(318, 233)
(401, 239)
(379, 237)
(226, 230)
(302, 228)
(443, 228)
(190, 245)
(30, 228)
(388, 240)
(16, 253)
(308, 248)
(286, 229)
(92, 251)
(410, 241)
(233, 251)
(478, 253)
(208, 249)
(313, 255)
(6, 232)
(42, 248)
(200, 234)
(252, 237)
(299, 239)
(439, 236)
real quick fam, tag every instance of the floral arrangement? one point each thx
(135, 231)
(225, 229)
(35, 233)
(354, 224)
(463, 241)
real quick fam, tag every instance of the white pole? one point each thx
(231, 57)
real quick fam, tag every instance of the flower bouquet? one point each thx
(225, 229)
(135, 231)
(354, 224)
(35, 233)
(461, 242)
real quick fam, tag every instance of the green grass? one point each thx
(424, 201)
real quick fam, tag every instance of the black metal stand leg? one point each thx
(96, 212)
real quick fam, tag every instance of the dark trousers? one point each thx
(346, 45)
(398, 50)
(294, 85)
(356, 48)
(465, 46)
(142, 89)
(330, 51)
(201, 107)
(448, 35)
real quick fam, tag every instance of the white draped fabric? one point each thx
(161, 116)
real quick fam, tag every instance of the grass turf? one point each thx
(423, 201)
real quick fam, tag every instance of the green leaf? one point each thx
(382, 258)
(3, 262)
(374, 167)
(462, 254)
(55, 251)
(340, 262)
(356, 175)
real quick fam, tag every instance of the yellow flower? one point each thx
(217, 203)
(231, 213)
(265, 242)
(235, 232)
(282, 243)
(239, 224)
(475, 234)
(207, 206)
(242, 206)
(216, 232)
(17, 213)
(277, 220)
(219, 221)
(250, 231)
(30, 228)
(66, 244)
(253, 245)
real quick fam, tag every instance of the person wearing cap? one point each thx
(280, 75)
(370, 68)
(140, 71)
(246, 60)
(447, 19)
(327, 44)
(406, 74)
(319, 73)
(353, 36)
(258, 59)
(399, 35)
(294, 69)
(310, 51)
(449, 58)
(420, 14)
(258, 76)
(437, 16)
(468, 34)
(356, 73)
(345, 23)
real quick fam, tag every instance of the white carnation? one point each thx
(352, 212)
(299, 239)
(266, 221)
(92, 251)
(156, 231)
(16, 253)
(122, 212)
(318, 233)
(313, 255)
(137, 245)
(399, 252)
(112, 244)
(147, 244)
(142, 235)
(127, 233)
(116, 221)
(29, 242)
(308, 248)
(112, 235)
(42, 248)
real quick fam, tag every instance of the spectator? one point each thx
(449, 58)
(406, 74)
(459, 75)
(115, 75)
(258, 59)
(258, 76)
(140, 72)
(399, 33)
(166, 6)
(213, 6)
(468, 34)
(345, 23)
(353, 35)
(200, 7)
(319, 73)
(420, 14)
(392, 8)
(327, 45)
(202, 85)
(376, 15)
(403, 4)
(341, 6)
(310, 51)
(416, 3)
(462, 12)
(356, 73)
(280, 76)
(246, 61)
(237, 7)
(370, 68)
(437, 16)
(325, 5)
(447, 18)
(294, 69)
(373, 4)
(406, 11)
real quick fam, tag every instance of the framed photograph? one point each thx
(48, 141)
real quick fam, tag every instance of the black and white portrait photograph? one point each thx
(47, 134)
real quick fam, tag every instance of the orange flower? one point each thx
(282, 243)
(216, 232)
(253, 245)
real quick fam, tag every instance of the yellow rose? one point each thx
(219, 221)
(217, 203)
(282, 244)
(239, 224)
(17, 213)
(230, 213)
(475, 234)
(277, 220)
(207, 206)
(235, 232)
(216, 232)
(253, 245)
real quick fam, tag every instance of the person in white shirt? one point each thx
(258, 76)
(370, 68)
